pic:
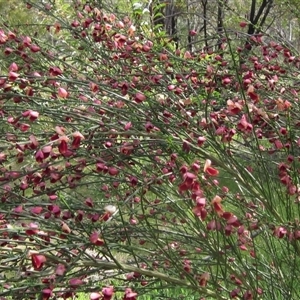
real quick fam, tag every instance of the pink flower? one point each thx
(13, 67)
(280, 232)
(95, 239)
(34, 48)
(139, 97)
(12, 76)
(243, 24)
(189, 178)
(75, 282)
(39, 156)
(55, 71)
(234, 293)
(36, 210)
(113, 171)
(128, 126)
(244, 126)
(60, 270)
(3, 37)
(192, 32)
(130, 295)
(32, 115)
(107, 292)
(200, 211)
(201, 141)
(203, 279)
(226, 80)
(62, 93)
(95, 296)
(26, 41)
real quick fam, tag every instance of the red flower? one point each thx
(210, 170)
(203, 279)
(78, 137)
(216, 202)
(63, 146)
(38, 261)
(24, 127)
(47, 294)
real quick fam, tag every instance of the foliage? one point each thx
(128, 166)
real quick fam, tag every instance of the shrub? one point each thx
(127, 165)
